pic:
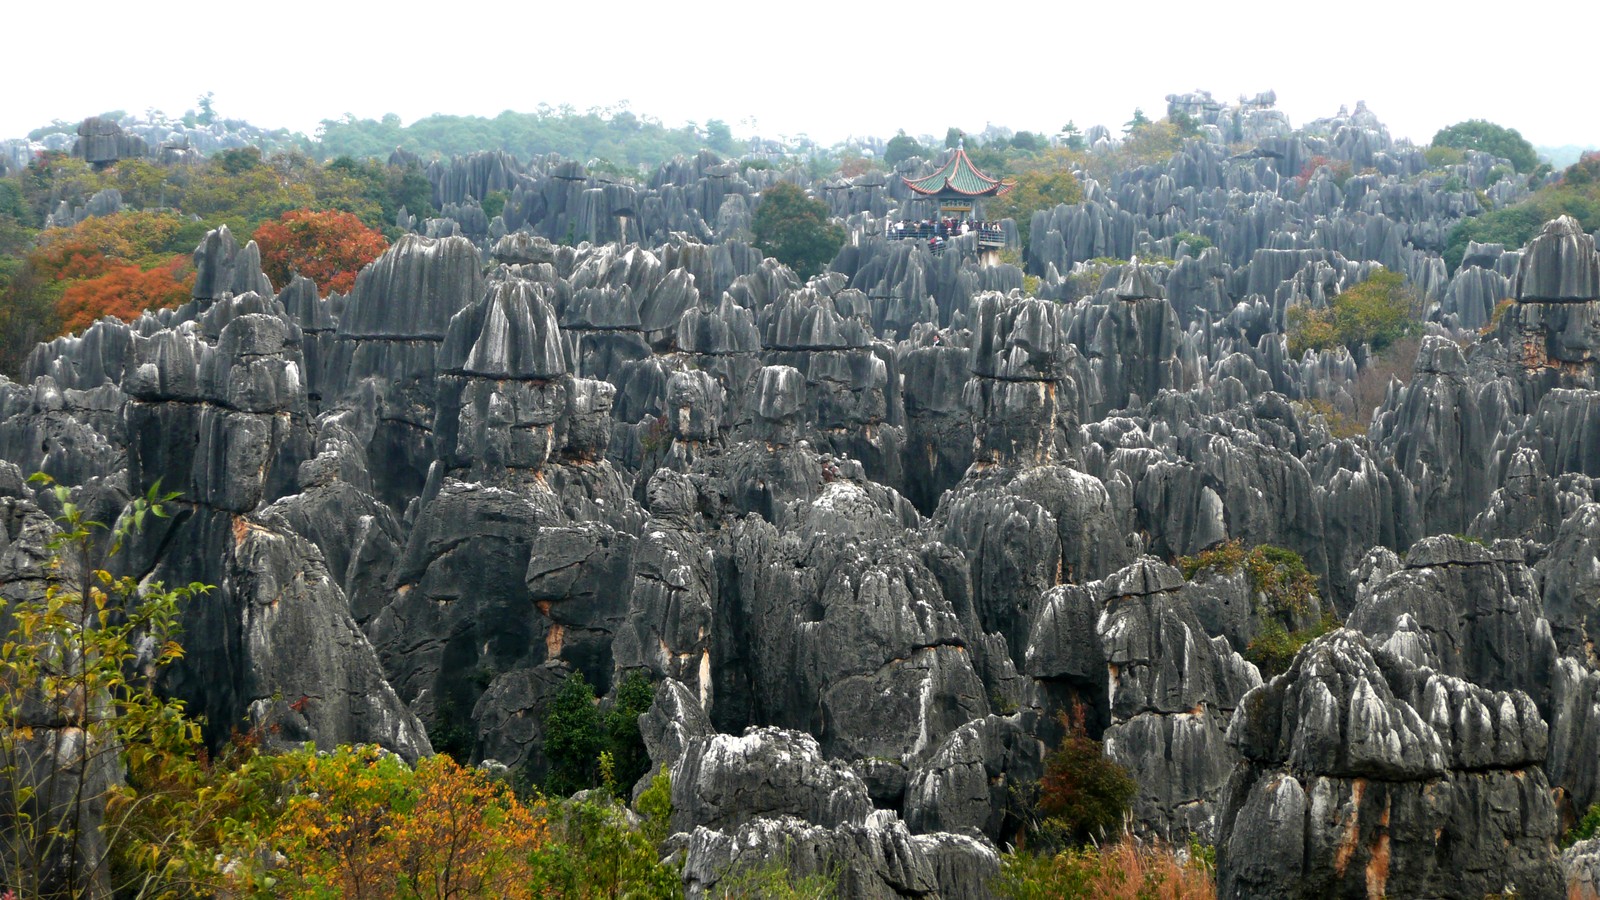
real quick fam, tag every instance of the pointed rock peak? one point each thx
(1137, 283)
(1560, 265)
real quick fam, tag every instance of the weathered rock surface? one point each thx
(871, 533)
(1363, 771)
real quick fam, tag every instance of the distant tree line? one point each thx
(617, 136)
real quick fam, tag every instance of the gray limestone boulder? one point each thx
(722, 781)
(1364, 772)
(1571, 578)
(1581, 865)
(413, 290)
(223, 267)
(1466, 610)
(878, 859)
(971, 781)
(1559, 266)
(308, 670)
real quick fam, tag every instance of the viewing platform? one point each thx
(936, 235)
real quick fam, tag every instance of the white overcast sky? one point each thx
(822, 67)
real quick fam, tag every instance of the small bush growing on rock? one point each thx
(774, 879)
(1277, 575)
(1274, 648)
(1587, 827)
(1495, 316)
(1084, 795)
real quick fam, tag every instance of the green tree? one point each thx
(1027, 141)
(573, 737)
(953, 137)
(719, 136)
(1044, 182)
(623, 741)
(1375, 312)
(1138, 121)
(597, 853)
(902, 147)
(1477, 134)
(208, 112)
(1071, 137)
(794, 229)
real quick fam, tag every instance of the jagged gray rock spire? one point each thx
(1364, 772)
(1560, 266)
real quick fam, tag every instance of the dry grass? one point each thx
(1128, 870)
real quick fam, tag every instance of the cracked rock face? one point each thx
(1363, 771)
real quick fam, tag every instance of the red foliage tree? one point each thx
(328, 247)
(123, 290)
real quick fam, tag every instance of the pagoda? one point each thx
(958, 185)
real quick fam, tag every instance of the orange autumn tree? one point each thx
(118, 265)
(328, 247)
(124, 290)
(364, 824)
(87, 248)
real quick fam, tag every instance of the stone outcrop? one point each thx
(1363, 771)
(1560, 266)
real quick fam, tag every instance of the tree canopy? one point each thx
(1478, 134)
(902, 147)
(1375, 312)
(616, 135)
(1576, 194)
(1042, 182)
(328, 247)
(794, 229)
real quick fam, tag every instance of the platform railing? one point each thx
(936, 235)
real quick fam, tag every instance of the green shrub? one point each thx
(578, 735)
(775, 880)
(1285, 591)
(1438, 157)
(1196, 242)
(655, 805)
(1376, 312)
(1280, 575)
(594, 853)
(1587, 827)
(494, 203)
(1274, 646)
(1277, 575)
(1223, 558)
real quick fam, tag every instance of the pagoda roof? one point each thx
(958, 177)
